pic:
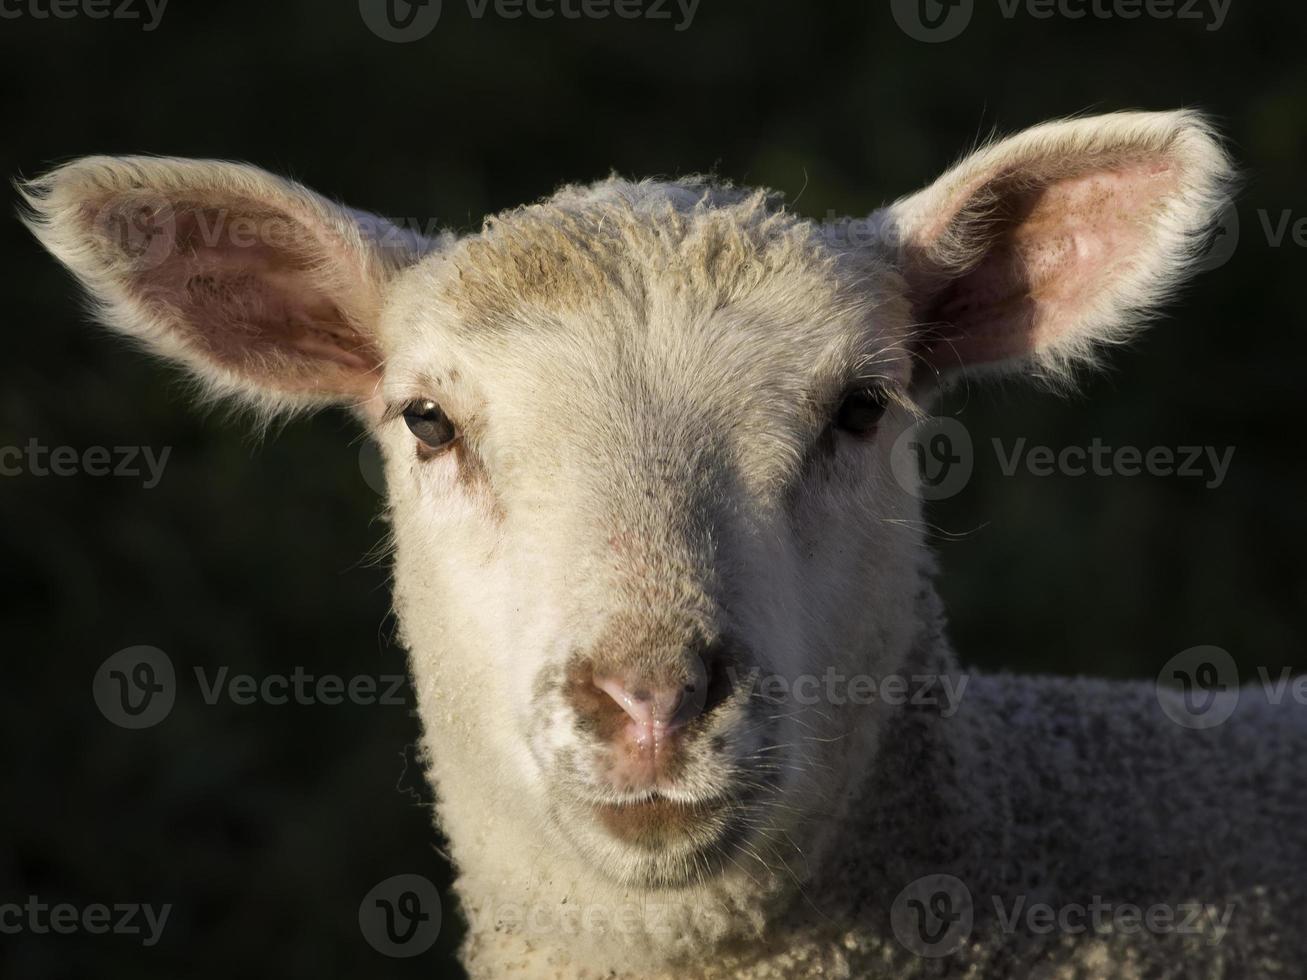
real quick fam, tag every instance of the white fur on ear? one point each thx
(1036, 250)
(263, 289)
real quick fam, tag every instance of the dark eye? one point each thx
(860, 411)
(429, 424)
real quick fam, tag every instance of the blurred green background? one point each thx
(265, 826)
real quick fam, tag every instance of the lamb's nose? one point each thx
(642, 711)
(656, 710)
(639, 712)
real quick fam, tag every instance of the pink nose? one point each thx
(655, 711)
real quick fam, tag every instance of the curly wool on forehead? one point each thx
(630, 247)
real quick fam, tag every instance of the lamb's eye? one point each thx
(860, 411)
(429, 424)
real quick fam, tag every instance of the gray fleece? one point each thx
(1159, 851)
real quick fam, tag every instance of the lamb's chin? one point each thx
(659, 841)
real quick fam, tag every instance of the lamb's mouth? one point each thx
(655, 821)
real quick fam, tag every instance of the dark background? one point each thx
(265, 826)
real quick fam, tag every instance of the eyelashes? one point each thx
(860, 411)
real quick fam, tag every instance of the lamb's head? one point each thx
(639, 440)
(642, 474)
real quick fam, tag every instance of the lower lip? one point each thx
(652, 823)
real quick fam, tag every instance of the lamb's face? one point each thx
(631, 516)
(638, 443)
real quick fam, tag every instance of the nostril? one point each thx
(712, 683)
(661, 707)
(718, 683)
(651, 707)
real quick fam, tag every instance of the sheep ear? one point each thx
(1036, 250)
(258, 286)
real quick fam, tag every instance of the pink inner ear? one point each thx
(252, 302)
(1052, 249)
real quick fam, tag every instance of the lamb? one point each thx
(639, 443)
